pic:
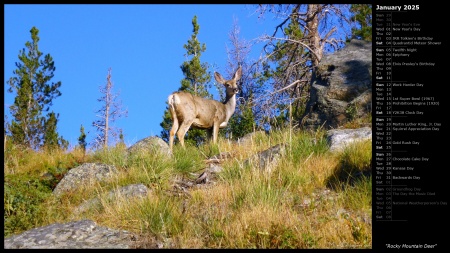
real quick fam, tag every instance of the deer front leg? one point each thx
(215, 131)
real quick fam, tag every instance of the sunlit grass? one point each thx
(312, 198)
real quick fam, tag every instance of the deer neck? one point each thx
(230, 105)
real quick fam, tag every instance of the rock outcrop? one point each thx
(150, 145)
(341, 89)
(85, 174)
(129, 191)
(268, 159)
(83, 234)
(338, 139)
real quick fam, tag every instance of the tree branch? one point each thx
(293, 41)
(284, 88)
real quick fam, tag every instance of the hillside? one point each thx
(213, 196)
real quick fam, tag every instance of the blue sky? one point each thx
(142, 44)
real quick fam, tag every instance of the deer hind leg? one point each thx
(175, 123)
(173, 131)
(184, 127)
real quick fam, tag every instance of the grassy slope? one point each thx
(311, 199)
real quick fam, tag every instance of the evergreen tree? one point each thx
(166, 124)
(51, 137)
(63, 143)
(196, 81)
(242, 123)
(195, 73)
(82, 139)
(34, 95)
(362, 16)
(121, 142)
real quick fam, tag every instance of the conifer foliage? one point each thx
(82, 139)
(34, 95)
(362, 16)
(196, 81)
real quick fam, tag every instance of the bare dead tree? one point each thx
(245, 118)
(110, 111)
(239, 49)
(295, 49)
(318, 22)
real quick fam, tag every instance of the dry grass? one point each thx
(293, 206)
(18, 160)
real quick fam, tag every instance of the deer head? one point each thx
(188, 110)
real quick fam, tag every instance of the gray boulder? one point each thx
(84, 234)
(150, 144)
(85, 174)
(338, 139)
(129, 191)
(249, 138)
(341, 89)
(267, 159)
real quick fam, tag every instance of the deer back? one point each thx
(204, 112)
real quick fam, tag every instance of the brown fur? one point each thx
(188, 110)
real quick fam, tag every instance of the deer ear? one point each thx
(238, 74)
(219, 78)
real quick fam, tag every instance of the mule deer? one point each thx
(187, 109)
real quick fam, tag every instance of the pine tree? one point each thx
(34, 95)
(242, 123)
(362, 16)
(63, 143)
(82, 139)
(121, 142)
(196, 81)
(51, 137)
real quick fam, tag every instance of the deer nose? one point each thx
(236, 90)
